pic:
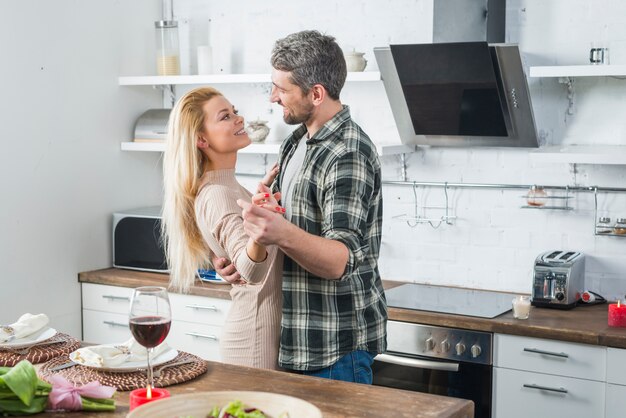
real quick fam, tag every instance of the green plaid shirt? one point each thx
(337, 195)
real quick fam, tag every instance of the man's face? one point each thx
(297, 106)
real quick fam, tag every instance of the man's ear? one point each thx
(318, 94)
(201, 142)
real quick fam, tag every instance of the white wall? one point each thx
(493, 243)
(62, 173)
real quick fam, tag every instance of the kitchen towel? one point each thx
(26, 325)
(112, 355)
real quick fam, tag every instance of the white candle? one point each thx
(521, 307)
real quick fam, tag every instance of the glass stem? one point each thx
(150, 377)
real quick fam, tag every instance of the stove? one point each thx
(451, 300)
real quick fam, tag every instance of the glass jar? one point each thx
(620, 226)
(536, 196)
(603, 226)
(167, 48)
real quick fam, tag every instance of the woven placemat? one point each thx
(128, 381)
(60, 345)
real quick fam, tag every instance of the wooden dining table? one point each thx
(334, 398)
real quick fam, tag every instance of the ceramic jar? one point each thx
(355, 61)
(257, 130)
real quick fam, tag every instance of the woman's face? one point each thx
(223, 128)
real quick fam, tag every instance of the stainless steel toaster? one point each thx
(558, 279)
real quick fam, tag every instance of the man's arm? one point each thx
(320, 256)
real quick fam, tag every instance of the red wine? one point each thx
(150, 331)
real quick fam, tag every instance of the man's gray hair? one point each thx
(312, 58)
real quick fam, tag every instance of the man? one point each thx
(334, 308)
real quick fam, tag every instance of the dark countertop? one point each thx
(334, 398)
(583, 324)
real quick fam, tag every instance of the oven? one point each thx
(438, 360)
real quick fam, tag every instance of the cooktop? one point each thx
(451, 300)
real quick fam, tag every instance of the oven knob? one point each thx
(460, 348)
(560, 296)
(476, 350)
(445, 346)
(430, 344)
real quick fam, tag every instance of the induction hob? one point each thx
(451, 300)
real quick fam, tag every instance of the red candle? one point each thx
(140, 396)
(617, 315)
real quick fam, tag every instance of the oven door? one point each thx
(438, 377)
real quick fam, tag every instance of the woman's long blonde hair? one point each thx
(183, 166)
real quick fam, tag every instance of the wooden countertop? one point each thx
(583, 324)
(333, 398)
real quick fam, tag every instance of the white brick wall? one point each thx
(494, 242)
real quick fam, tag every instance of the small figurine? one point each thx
(257, 130)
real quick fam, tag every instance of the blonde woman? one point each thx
(201, 218)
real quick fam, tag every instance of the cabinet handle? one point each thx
(208, 337)
(115, 324)
(208, 308)
(538, 387)
(547, 353)
(112, 297)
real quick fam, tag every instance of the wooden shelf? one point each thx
(223, 79)
(578, 71)
(273, 148)
(581, 154)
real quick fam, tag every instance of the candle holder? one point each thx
(617, 315)
(139, 396)
(521, 307)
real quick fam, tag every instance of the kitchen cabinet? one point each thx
(196, 320)
(549, 378)
(616, 382)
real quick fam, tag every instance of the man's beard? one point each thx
(291, 119)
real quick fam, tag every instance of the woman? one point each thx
(201, 216)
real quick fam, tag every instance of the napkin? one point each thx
(28, 324)
(108, 355)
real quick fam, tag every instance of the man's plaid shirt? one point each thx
(337, 195)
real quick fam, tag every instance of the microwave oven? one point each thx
(137, 243)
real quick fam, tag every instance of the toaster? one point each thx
(558, 279)
(137, 241)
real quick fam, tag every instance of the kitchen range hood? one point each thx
(458, 94)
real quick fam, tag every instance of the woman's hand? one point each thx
(269, 177)
(265, 199)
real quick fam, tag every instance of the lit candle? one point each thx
(521, 307)
(617, 315)
(144, 395)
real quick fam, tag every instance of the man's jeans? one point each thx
(353, 367)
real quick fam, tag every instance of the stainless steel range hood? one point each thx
(458, 94)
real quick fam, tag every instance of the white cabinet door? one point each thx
(616, 366)
(549, 356)
(615, 401)
(520, 394)
(201, 340)
(98, 297)
(105, 327)
(199, 309)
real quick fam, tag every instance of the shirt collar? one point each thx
(328, 129)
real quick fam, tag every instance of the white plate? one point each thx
(131, 366)
(36, 338)
(200, 404)
(217, 280)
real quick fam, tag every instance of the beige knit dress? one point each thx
(251, 334)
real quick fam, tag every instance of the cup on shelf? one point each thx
(598, 53)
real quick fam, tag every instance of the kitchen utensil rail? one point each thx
(588, 189)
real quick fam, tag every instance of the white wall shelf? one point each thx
(272, 148)
(578, 71)
(223, 79)
(581, 154)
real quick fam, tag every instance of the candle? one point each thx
(617, 315)
(521, 307)
(141, 396)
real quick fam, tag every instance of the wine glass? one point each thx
(150, 319)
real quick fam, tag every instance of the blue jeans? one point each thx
(353, 367)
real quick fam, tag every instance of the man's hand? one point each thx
(226, 270)
(265, 226)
